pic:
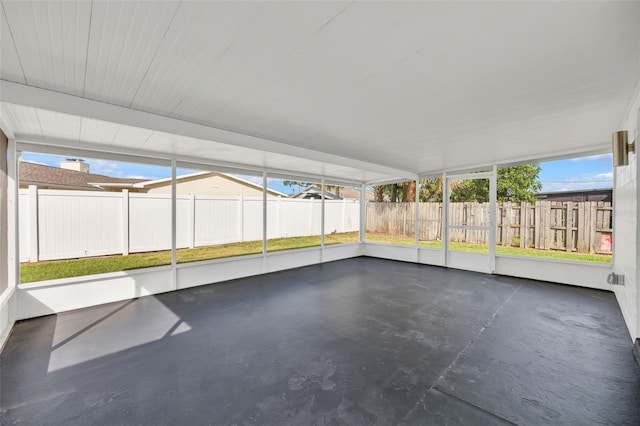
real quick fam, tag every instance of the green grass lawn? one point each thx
(507, 251)
(50, 270)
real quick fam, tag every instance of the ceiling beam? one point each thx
(21, 94)
(519, 161)
(58, 146)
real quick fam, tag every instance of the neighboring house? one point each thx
(313, 191)
(75, 175)
(207, 183)
(604, 194)
(354, 194)
(72, 175)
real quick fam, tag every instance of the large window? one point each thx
(468, 215)
(342, 213)
(218, 213)
(294, 214)
(430, 212)
(83, 216)
(558, 209)
(391, 214)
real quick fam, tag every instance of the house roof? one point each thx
(42, 175)
(575, 191)
(354, 193)
(345, 193)
(165, 181)
(313, 191)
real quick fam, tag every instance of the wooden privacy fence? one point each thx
(583, 227)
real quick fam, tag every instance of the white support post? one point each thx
(241, 218)
(173, 226)
(13, 255)
(322, 217)
(33, 223)
(445, 218)
(417, 213)
(125, 222)
(192, 220)
(4, 214)
(363, 213)
(493, 196)
(264, 214)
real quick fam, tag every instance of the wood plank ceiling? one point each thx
(414, 86)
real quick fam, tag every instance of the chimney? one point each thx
(76, 164)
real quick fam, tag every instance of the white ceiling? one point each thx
(416, 87)
(36, 127)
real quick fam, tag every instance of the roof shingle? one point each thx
(39, 174)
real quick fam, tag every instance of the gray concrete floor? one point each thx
(360, 341)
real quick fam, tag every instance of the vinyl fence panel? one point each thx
(149, 222)
(341, 216)
(70, 224)
(74, 224)
(218, 220)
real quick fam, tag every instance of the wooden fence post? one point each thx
(537, 225)
(524, 224)
(583, 236)
(506, 224)
(499, 220)
(568, 223)
(593, 212)
(440, 218)
(547, 225)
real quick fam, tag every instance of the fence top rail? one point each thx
(68, 192)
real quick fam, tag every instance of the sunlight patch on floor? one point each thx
(112, 329)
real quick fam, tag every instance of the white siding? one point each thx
(627, 197)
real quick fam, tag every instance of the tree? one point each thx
(519, 183)
(516, 184)
(378, 193)
(396, 192)
(472, 191)
(409, 191)
(297, 183)
(431, 190)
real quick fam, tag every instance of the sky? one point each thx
(593, 172)
(141, 171)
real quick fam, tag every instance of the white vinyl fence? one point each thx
(58, 224)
